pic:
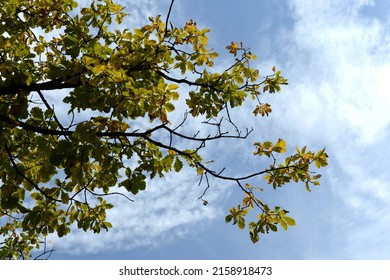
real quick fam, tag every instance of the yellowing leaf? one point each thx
(178, 165)
(233, 48)
(241, 223)
(169, 107)
(280, 146)
(172, 87)
(213, 55)
(263, 110)
(203, 40)
(290, 221)
(283, 224)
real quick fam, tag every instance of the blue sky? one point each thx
(336, 55)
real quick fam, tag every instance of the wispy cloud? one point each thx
(338, 62)
(338, 65)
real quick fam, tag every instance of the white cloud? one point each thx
(339, 65)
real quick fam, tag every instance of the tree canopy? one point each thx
(56, 171)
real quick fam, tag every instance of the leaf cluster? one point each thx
(295, 168)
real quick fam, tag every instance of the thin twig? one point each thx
(49, 108)
(111, 193)
(20, 173)
(167, 20)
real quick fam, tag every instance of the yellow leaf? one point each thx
(172, 87)
(233, 48)
(280, 146)
(283, 224)
(203, 40)
(290, 221)
(213, 55)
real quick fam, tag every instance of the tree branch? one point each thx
(117, 134)
(49, 85)
(147, 136)
(185, 81)
(30, 127)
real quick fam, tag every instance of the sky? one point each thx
(336, 56)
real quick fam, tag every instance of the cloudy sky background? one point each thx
(336, 55)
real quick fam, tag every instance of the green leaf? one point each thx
(64, 197)
(241, 223)
(169, 107)
(135, 182)
(62, 230)
(178, 165)
(273, 227)
(254, 236)
(60, 153)
(228, 218)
